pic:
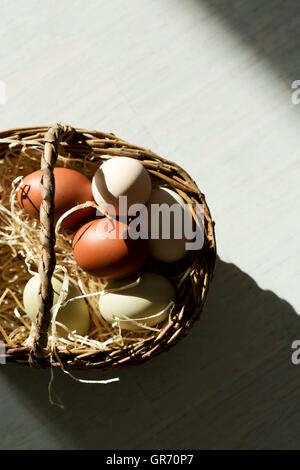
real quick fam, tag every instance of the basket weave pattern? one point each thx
(92, 145)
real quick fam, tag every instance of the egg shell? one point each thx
(74, 315)
(172, 249)
(71, 188)
(148, 302)
(121, 176)
(101, 249)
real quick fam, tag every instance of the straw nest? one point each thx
(21, 152)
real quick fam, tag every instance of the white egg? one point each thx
(121, 176)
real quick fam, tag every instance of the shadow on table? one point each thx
(271, 27)
(229, 384)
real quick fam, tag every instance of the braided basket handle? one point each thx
(47, 237)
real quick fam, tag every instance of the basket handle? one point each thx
(54, 134)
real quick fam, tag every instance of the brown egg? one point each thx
(71, 188)
(103, 248)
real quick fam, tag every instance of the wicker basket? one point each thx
(91, 146)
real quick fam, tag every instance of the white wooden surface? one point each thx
(208, 84)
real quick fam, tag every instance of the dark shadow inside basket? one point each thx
(84, 152)
(230, 381)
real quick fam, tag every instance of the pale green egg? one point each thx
(149, 302)
(74, 315)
